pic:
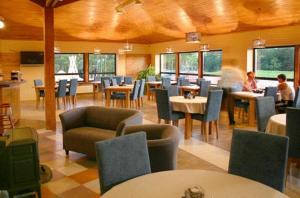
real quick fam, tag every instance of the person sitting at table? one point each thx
(250, 83)
(287, 94)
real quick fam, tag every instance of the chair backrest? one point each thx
(173, 90)
(73, 86)
(199, 80)
(105, 78)
(265, 108)
(106, 83)
(293, 131)
(128, 80)
(166, 83)
(136, 88)
(121, 159)
(163, 104)
(114, 82)
(62, 88)
(297, 99)
(37, 82)
(213, 105)
(259, 156)
(118, 79)
(180, 80)
(271, 91)
(150, 78)
(142, 88)
(204, 87)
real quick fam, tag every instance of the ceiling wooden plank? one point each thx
(39, 2)
(62, 3)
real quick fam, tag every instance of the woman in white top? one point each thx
(287, 94)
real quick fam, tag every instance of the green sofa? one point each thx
(83, 127)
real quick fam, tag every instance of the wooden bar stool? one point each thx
(6, 118)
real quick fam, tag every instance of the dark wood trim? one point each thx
(177, 65)
(200, 64)
(297, 67)
(50, 107)
(57, 3)
(86, 67)
(39, 2)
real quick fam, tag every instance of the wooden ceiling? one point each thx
(153, 21)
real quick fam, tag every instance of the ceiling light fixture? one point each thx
(120, 7)
(259, 42)
(127, 47)
(2, 24)
(192, 37)
(204, 47)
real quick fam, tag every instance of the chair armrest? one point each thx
(132, 120)
(74, 118)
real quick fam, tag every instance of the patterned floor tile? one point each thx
(61, 185)
(93, 186)
(71, 169)
(85, 176)
(79, 192)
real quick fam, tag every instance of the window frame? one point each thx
(88, 65)
(280, 46)
(160, 64)
(187, 74)
(202, 63)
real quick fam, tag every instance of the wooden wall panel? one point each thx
(136, 63)
(9, 62)
(297, 67)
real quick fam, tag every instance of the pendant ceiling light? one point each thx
(204, 47)
(127, 47)
(259, 42)
(2, 24)
(192, 37)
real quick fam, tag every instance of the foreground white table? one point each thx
(277, 125)
(172, 184)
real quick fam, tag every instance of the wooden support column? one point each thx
(297, 67)
(200, 65)
(177, 65)
(50, 107)
(86, 67)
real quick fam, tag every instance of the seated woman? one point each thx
(250, 83)
(287, 94)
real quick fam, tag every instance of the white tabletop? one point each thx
(194, 87)
(196, 105)
(277, 125)
(172, 184)
(160, 82)
(247, 94)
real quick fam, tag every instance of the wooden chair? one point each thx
(6, 118)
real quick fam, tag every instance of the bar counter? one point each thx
(10, 93)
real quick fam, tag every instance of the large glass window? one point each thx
(271, 61)
(188, 65)
(68, 66)
(168, 65)
(212, 63)
(101, 65)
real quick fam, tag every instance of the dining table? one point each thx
(193, 89)
(155, 85)
(247, 96)
(96, 87)
(173, 184)
(118, 89)
(188, 106)
(277, 124)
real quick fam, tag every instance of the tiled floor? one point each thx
(76, 176)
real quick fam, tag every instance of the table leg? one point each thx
(108, 96)
(251, 113)
(148, 91)
(127, 98)
(188, 126)
(37, 100)
(94, 90)
(230, 108)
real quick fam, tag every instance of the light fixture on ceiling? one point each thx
(169, 50)
(193, 37)
(127, 47)
(120, 7)
(2, 24)
(97, 51)
(204, 47)
(259, 42)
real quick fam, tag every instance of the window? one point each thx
(68, 66)
(188, 65)
(212, 63)
(168, 65)
(271, 61)
(101, 65)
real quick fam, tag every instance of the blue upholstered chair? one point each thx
(128, 80)
(204, 88)
(297, 98)
(293, 132)
(164, 109)
(150, 79)
(114, 82)
(141, 92)
(166, 83)
(121, 159)
(61, 92)
(265, 108)
(271, 91)
(173, 90)
(71, 94)
(199, 80)
(180, 81)
(133, 95)
(119, 79)
(212, 112)
(259, 156)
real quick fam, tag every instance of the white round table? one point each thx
(172, 184)
(188, 106)
(277, 124)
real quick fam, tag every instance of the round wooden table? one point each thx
(188, 106)
(277, 125)
(172, 184)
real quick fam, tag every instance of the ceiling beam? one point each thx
(49, 3)
(52, 3)
(60, 3)
(39, 2)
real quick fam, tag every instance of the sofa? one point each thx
(83, 127)
(162, 140)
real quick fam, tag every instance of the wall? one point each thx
(234, 45)
(136, 62)
(11, 49)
